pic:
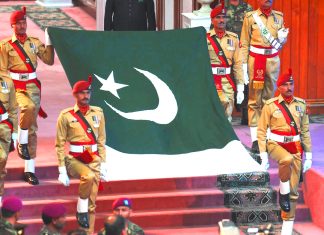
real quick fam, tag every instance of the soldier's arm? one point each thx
(150, 15)
(237, 67)
(13, 106)
(61, 135)
(4, 60)
(245, 39)
(108, 15)
(45, 53)
(304, 132)
(264, 123)
(101, 141)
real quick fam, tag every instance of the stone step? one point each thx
(243, 180)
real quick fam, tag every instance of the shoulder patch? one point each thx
(97, 108)
(66, 110)
(300, 100)
(269, 101)
(232, 34)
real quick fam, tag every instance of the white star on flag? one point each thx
(110, 85)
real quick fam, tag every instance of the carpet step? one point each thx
(255, 179)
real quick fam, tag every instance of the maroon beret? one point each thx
(54, 210)
(285, 78)
(220, 9)
(82, 85)
(18, 15)
(122, 202)
(12, 203)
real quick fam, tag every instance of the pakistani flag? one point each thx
(163, 115)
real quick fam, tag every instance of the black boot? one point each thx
(82, 219)
(31, 178)
(23, 151)
(284, 202)
(255, 147)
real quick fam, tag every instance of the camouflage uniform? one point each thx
(45, 231)
(132, 229)
(7, 228)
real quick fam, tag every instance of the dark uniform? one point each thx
(46, 231)
(132, 229)
(130, 15)
(7, 228)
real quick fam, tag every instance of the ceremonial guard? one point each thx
(8, 124)
(224, 53)
(53, 216)
(18, 57)
(83, 127)
(289, 138)
(11, 206)
(263, 35)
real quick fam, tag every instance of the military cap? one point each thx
(12, 203)
(122, 202)
(218, 10)
(18, 15)
(54, 210)
(287, 77)
(82, 85)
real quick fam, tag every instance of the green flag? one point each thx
(156, 89)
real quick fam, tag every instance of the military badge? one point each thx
(95, 120)
(298, 109)
(32, 47)
(4, 87)
(230, 42)
(89, 130)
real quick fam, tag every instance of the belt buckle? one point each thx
(221, 71)
(23, 76)
(288, 139)
(87, 148)
(267, 51)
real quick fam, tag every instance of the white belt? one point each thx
(221, 70)
(284, 139)
(23, 76)
(82, 148)
(263, 51)
(3, 117)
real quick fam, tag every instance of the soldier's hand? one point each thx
(245, 74)
(308, 162)
(283, 34)
(63, 177)
(104, 171)
(264, 160)
(240, 94)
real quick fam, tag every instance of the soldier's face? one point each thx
(83, 97)
(123, 211)
(20, 27)
(59, 223)
(219, 22)
(265, 3)
(287, 89)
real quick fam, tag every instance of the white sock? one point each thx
(22, 136)
(82, 206)
(30, 166)
(284, 187)
(287, 227)
(253, 131)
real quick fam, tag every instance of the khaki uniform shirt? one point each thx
(7, 228)
(272, 117)
(70, 130)
(8, 99)
(46, 231)
(230, 45)
(251, 34)
(33, 47)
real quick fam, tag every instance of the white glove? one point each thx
(240, 94)
(104, 171)
(63, 177)
(308, 161)
(14, 137)
(245, 74)
(48, 41)
(283, 34)
(264, 160)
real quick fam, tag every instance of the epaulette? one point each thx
(67, 110)
(3, 41)
(96, 108)
(232, 34)
(250, 13)
(300, 100)
(33, 37)
(277, 12)
(269, 101)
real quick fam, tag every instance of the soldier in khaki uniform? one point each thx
(83, 126)
(261, 63)
(19, 59)
(53, 216)
(224, 53)
(10, 209)
(289, 137)
(8, 125)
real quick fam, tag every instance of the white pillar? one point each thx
(55, 3)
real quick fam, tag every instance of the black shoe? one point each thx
(31, 178)
(255, 147)
(284, 202)
(82, 219)
(23, 151)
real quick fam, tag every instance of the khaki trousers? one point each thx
(5, 140)
(289, 169)
(226, 97)
(257, 97)
(29, 103)
(89, 181)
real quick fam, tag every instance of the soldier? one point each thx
(10, 213)
(114, 225)
(53, 216)
(289, 137)
(8, 125)
(83, 126)
(19, 59)
(263, 35)
(224, 53)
